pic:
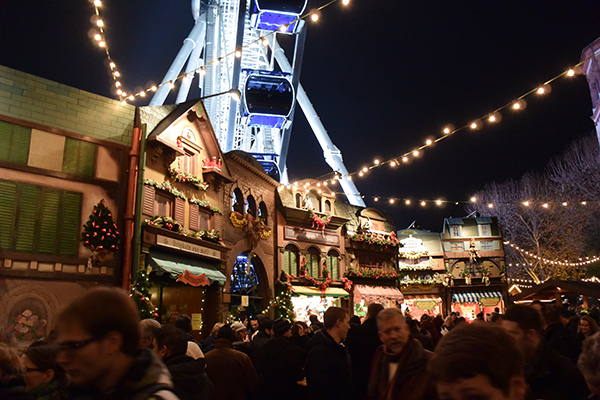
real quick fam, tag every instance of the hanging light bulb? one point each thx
(571, 72)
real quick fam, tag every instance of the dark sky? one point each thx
(383, 75)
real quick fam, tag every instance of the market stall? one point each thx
(469, 304)
(388, 296)
(417, 305)
(309, 300)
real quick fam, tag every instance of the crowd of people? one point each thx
(100, 349)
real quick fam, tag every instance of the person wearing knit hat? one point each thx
(282, 327)
(280, 366)
(242, 341)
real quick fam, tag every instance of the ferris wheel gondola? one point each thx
(268, 98)
(273, 15)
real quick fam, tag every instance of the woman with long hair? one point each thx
(587, 327)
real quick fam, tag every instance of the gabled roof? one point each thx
(431, 240)
(548, 290)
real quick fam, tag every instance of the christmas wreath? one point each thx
(319, 222)
(238, 220)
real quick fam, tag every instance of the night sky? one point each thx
(384, 76)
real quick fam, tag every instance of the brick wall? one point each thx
(34, 99)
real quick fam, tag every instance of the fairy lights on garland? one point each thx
(553, 262)
(264, 40)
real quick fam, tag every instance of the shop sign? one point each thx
(196, 321)
(306, 235)
(489, 301)
(425, 304)
(186, 246)
(193, 280)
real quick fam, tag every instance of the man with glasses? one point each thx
(98, 336)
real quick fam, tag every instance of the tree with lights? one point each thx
(140, 292)
(282, 303)
(100, 234)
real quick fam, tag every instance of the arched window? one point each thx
(237, 201)
(327, 207)
(298, 200)
(251, 206)
(244, 280)
(290, 260)
(315, 200)
(263, 214)
(312, 262)
(333, 265)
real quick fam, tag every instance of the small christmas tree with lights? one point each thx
(100, 234)
(140, 292)
(282, 303)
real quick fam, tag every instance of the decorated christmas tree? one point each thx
(100, 234)
(282, 304)
(140, 292)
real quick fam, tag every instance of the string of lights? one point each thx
(493, 117)
(581, 263)
(100, 38)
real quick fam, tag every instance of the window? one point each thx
(189, 162)
(237, 201)
(37, 219)
(456, 246)
(244, 280)
(79, 158)
(263, 214)
(333, 265)
(14, 143)
(487, 245)
(290, 260)
(298, 200)
(163, 204)
(251, 206)
(199, 218)
(327, 208)
(312, 262)
(484, 230)
(455, 230)
(314, 201)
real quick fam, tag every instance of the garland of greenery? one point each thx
(206, 204)
(282, 303)
(415, 267)
(184, 177)
(210, 235)
(140, 292)
(371, 273)
(412, 254)
(388, 240)
(407, 281)
(319, 222)
(164, 222)
(166, 186)
(322, 285)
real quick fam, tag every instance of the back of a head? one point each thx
(148, 328)
(215, 328)
(332, 315)
(264, 324)
(588, 362)
(477, 349)
(102, 310)
(10, 363)
(551, 314)
(44, 358)
(313, 319)
(526, 317)
(373, 309)
(226, 333)
(173, 338)
(184, 323)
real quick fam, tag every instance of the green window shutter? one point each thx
(87, 159)
(70, 224)
(8, 194)
(332, 262)
(27, 215)
(19, 150)
(71, 155)
(293, 263)
(14, 143)
(49, 217)
(286, 261)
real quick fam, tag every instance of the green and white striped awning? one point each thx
(472, 297)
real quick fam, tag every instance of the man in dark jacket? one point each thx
(549, 375)
(399, 369)
(328, 366)
(230, 370)
(265, 331)
(280, 368)
(190, 381)
(560, 338)
(362, 342)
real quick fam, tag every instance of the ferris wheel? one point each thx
(261, 122)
